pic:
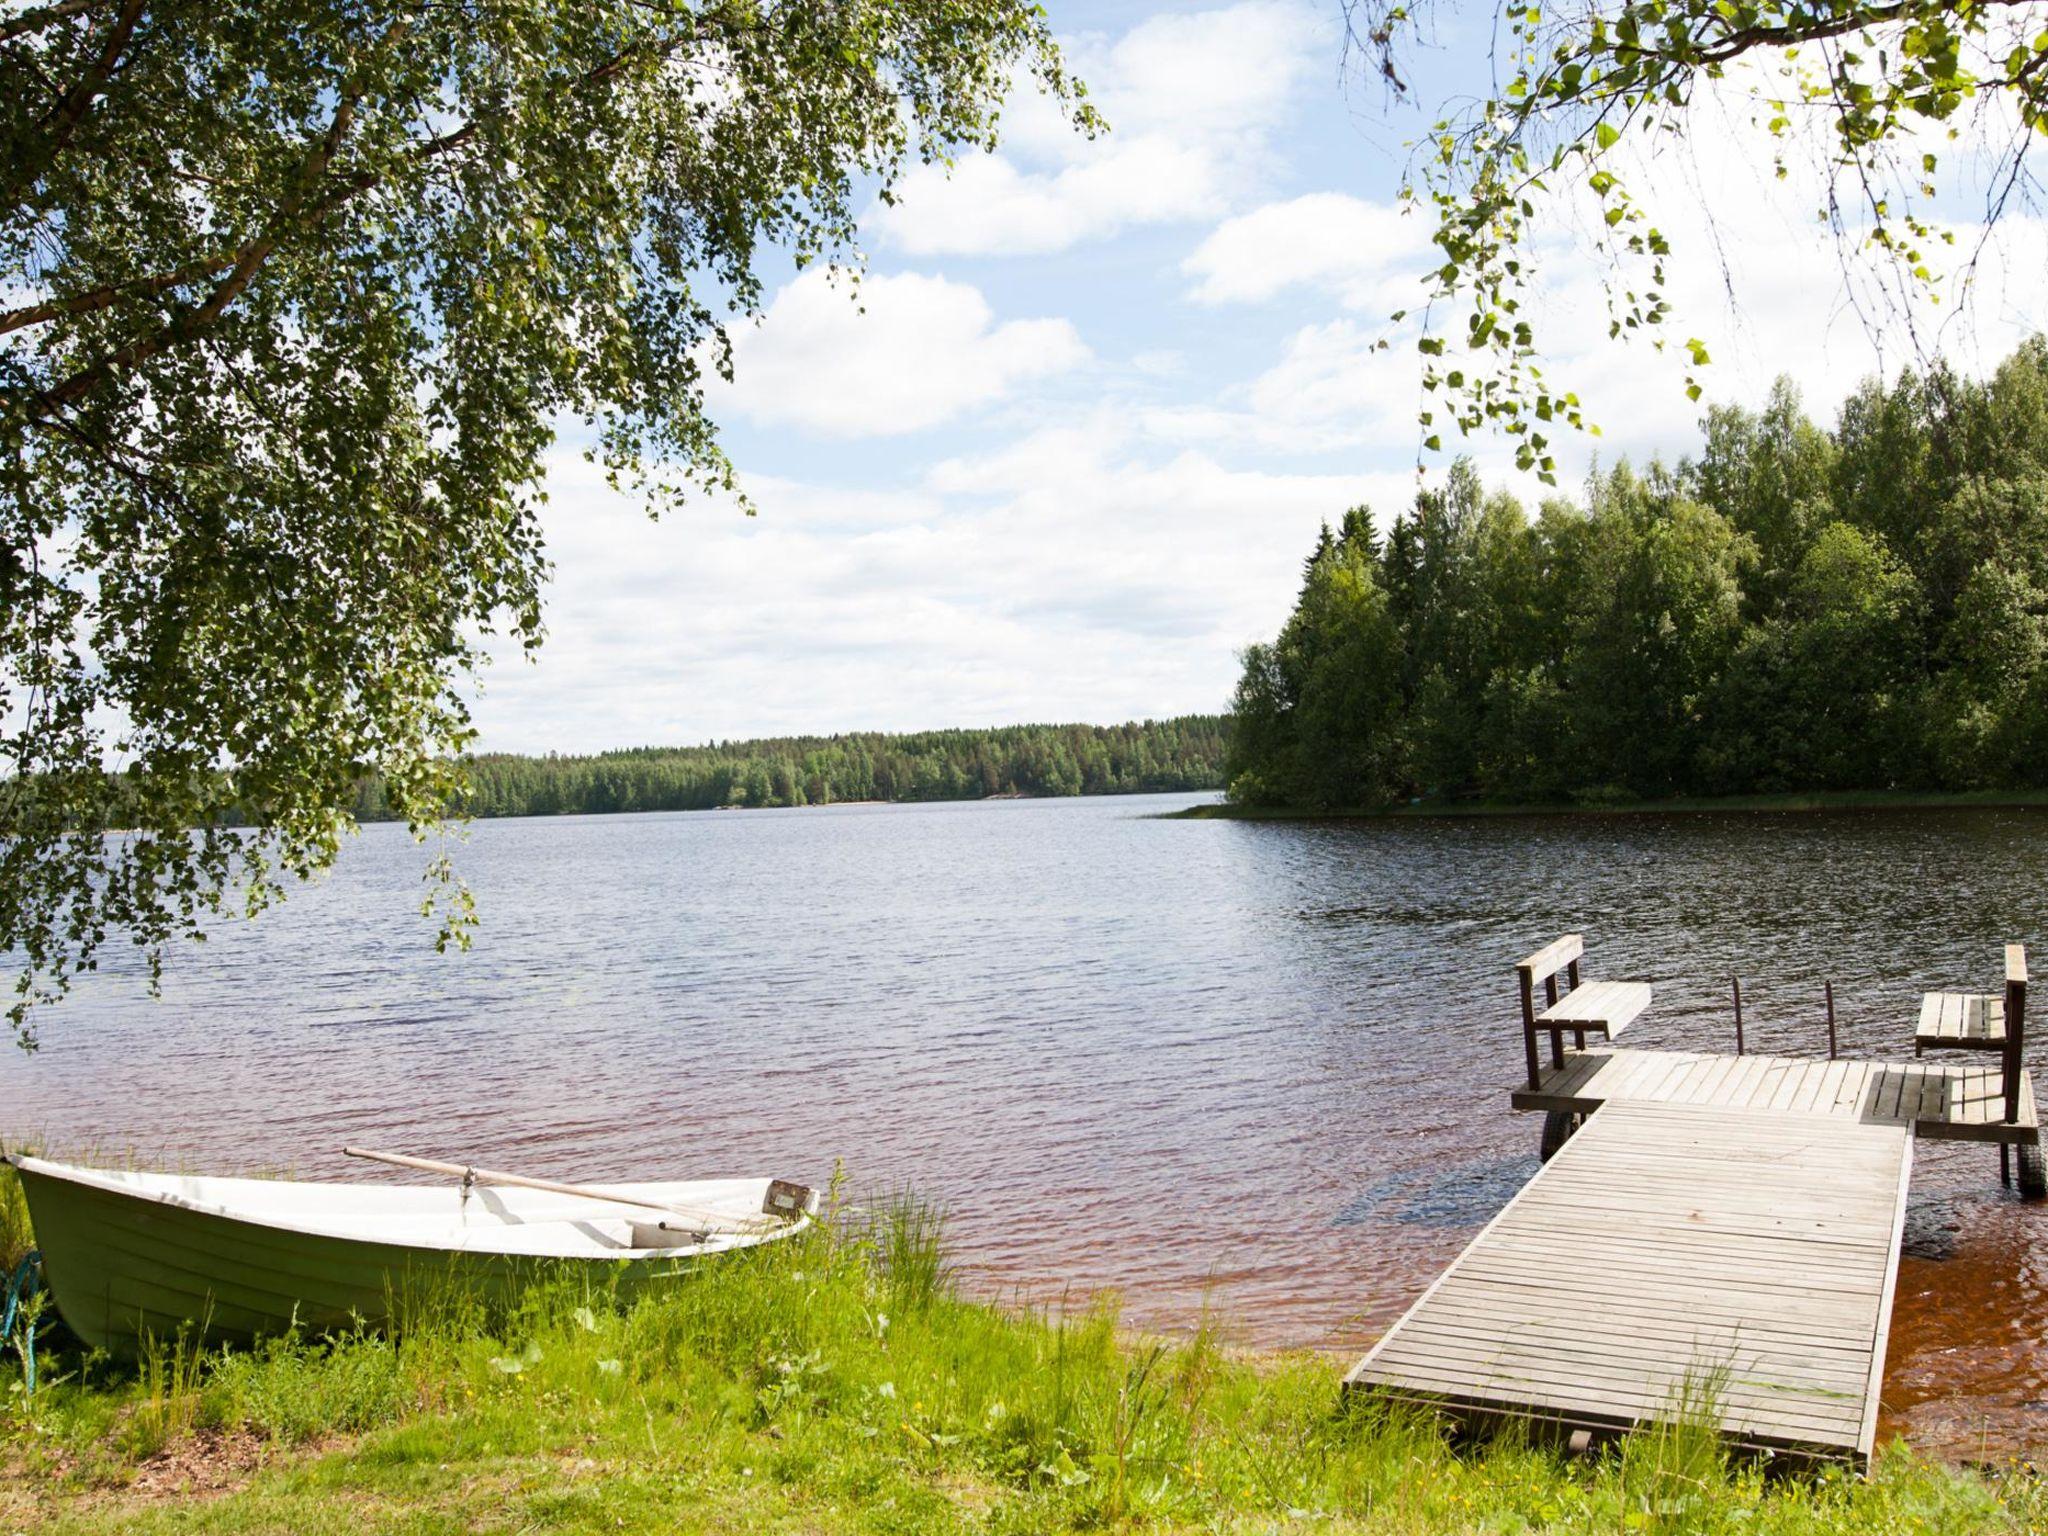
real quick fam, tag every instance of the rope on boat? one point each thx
(24, 1285)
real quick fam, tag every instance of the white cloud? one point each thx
(1332, 387)
(914, 351)
(1192, 102)
(1368, 255)
(1216, 75)
(987, 207)
(1070, 574)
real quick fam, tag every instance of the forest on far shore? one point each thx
(1794, 608)
(1141, 757)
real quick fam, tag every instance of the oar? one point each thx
(706, 1219)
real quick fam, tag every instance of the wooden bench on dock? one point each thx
(1960, 1021)
(1986, 1021)
(1595, 1007)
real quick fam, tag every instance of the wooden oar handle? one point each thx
(553, 1187)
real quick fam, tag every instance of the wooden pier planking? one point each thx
(1939, 1100)
(1670, 1240)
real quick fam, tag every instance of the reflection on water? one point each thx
(1259, 1064)
(1461, 1197)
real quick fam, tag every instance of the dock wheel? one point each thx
(2033, 1178)
(1558, 1126)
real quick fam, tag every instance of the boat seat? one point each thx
(1606, 1006)
(1960, 1021)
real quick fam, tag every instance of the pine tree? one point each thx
(1358, 532)
(1326, 545)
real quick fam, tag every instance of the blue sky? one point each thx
(1065, 457)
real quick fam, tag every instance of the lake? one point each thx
(1256, 1066)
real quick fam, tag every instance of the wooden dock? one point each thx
(1669, 1248)
(1709, 1234)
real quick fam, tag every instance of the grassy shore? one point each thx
(838, 1383)
(1818, 800)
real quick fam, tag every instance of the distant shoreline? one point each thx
(1816, 800)
(1182, 752)
(373, 819)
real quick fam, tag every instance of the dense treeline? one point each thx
(1793, 609)
(1151, 755)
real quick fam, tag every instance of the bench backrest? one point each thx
(1542, 967)
(2015, 1026)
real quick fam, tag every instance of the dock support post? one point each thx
(2005, 1164)
(1830, 985)
(1736, 983)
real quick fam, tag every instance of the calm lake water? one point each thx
(1261, 1065)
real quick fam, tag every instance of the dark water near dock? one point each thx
(1263, 1064)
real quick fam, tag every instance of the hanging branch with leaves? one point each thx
(1882, 88)
(298, 296)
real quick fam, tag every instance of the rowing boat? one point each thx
(129, 1255)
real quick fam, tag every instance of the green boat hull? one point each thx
(124, 1269)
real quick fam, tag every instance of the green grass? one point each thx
(1813, 800)
(838, 1382)
(16, 1236)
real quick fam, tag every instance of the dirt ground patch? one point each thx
(204, 1464)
